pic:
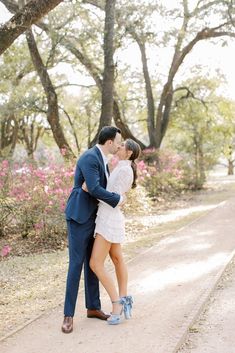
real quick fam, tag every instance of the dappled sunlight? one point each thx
(219, 175)
(180, 274)
(222, 181)
(182, 238)
(204, 246)
(173, 215)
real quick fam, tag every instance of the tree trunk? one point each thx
(230, 160)
(126, 132)
(230, 167)
(53, 110)
(163, 113)
(196, 168)
(149, 95)
(201, 163)
(95, 74)
(200, 175)
(8, 136)
(30, 135)
(148, 88)
(108, 75)
(73, 129)
(23, 19)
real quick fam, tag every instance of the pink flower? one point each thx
(5, 164)
(63, 151)
(38, 226)
(5, 250)
(141, 165)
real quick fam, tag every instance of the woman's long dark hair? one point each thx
(133, 146)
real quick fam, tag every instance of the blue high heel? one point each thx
(116, 319)
(128, 306)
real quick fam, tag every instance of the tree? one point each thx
(30, 132)
(108, 73)
(75, 45)
(13, 69)
(194, 28)
(186, 24)
(226, 132)
(195, 130)
(32, 12)
(52, 101)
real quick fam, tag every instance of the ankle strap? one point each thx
(121, 301)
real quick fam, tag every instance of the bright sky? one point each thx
(206, 54)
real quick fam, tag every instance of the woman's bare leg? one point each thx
(120, 268)
(100, 251)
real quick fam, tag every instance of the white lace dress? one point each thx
(110, 222)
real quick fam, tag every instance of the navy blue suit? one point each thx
(80, 215)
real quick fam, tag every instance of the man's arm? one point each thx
(91, 174)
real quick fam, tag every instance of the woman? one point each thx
(110, 233)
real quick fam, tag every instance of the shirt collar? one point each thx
(105, 159)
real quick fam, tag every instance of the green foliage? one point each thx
(157, 25)
(226, 124)
(196, 127)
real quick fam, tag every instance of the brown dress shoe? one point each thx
(67, 326)
(98, 314)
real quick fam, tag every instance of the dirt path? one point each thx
(213, 332)
(170, 283)
(25, 294)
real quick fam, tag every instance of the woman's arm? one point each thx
(123, 180)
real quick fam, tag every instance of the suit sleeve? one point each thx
(91, 174)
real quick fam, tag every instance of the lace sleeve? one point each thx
(123, 180)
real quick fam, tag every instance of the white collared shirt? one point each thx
(105, 160)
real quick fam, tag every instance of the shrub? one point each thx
(162, 173)
(32, 198)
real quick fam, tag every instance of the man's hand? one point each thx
(84, 187)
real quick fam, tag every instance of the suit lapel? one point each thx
(107, 168)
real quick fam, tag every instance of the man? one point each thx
(80, 216)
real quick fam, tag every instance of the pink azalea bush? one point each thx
(33, 198)
(162, 173)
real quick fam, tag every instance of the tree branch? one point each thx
(199, 9)
(189, 94)
(10, 5)
(23, 19)
(100, 4)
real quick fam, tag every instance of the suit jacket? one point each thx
(82, 205)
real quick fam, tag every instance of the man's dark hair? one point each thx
(107, 133)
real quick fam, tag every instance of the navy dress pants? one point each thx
(80, 239)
